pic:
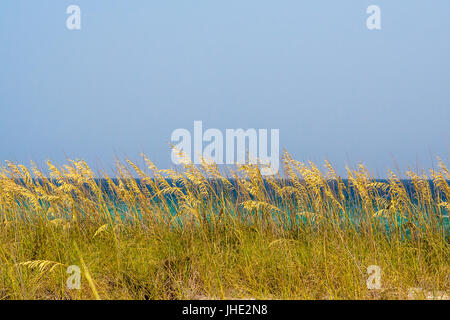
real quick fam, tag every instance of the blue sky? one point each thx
(140, 69)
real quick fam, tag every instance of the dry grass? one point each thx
(198, 234)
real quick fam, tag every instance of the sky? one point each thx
(137, 70)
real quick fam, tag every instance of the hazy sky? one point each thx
(137, 70)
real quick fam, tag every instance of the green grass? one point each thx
(240, 262)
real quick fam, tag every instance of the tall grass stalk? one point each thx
(199, 233)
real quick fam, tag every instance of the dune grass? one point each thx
(198, 234)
